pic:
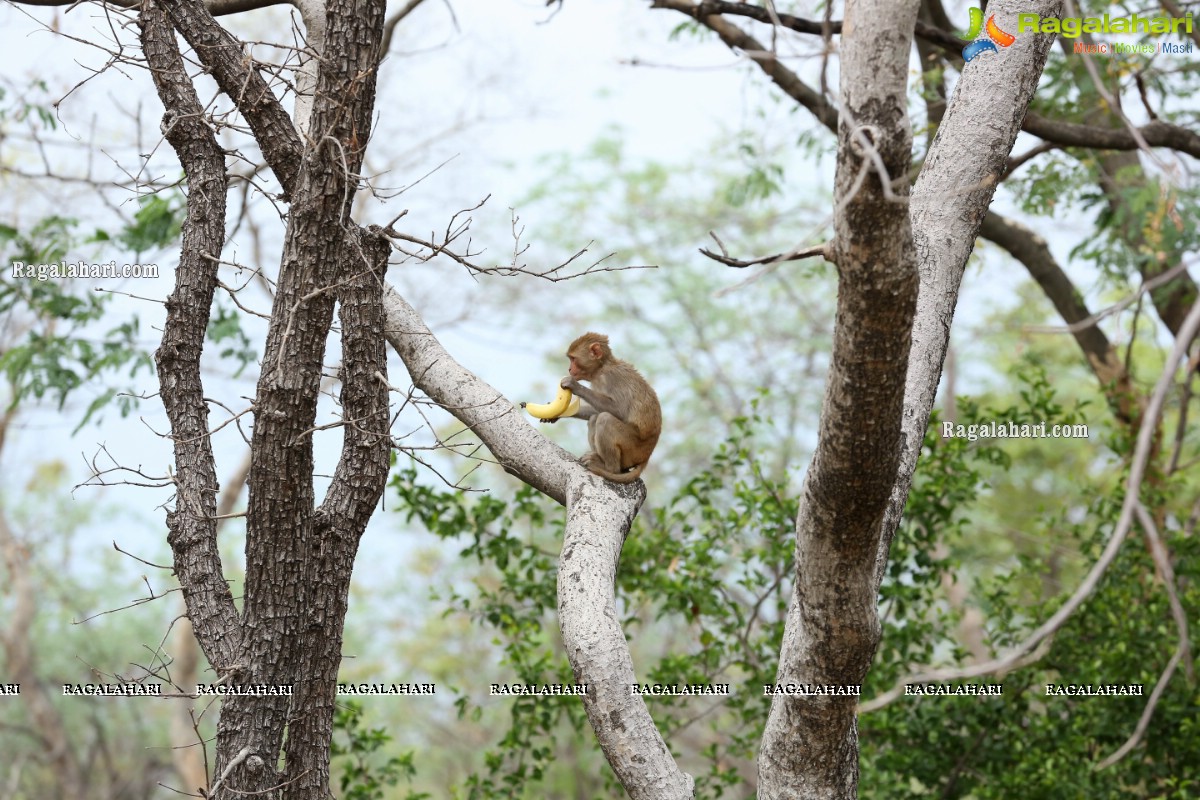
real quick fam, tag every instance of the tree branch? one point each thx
(810, 744)
(224, 57)
(389, 26)
(598, 520)
(825, 250)
(1032, 250)
(192, 524)
(516, 444)
(944, 39)
(737, 39)
(1155, 133)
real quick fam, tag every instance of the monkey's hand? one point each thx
(569, 383)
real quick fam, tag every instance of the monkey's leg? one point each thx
(613, 438)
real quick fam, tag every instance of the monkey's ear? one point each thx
(596, 350)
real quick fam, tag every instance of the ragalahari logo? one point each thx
(995, 36)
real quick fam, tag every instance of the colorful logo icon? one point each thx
(995, 36)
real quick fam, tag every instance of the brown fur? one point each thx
(623, 413)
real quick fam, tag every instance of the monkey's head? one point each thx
(587, 355)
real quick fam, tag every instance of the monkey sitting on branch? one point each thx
(623, 414)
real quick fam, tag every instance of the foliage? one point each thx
(356, 750)
(23, 109)
(54, 352)
(703, 586)
(156, 223)
(1140, 216)
(1025, 743)
(52, 345)
(225, 324)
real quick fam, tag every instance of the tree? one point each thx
(899, 253)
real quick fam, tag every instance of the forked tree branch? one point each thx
(599, 516)
(241, 81)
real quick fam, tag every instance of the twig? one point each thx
(824, 250)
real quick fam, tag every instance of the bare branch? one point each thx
(1144, 721)
(389, 25)
(457, 228)
(737, 39)
(1092, 319)
(1154, 134)
(215, 7)
(1016, 162)
(944, 39)
(1162, 561)
(825, 250)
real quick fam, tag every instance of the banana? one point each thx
(572, 409)
(555, 408)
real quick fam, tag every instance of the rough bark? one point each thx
(215, 7)
(297, 561)
(299, 557)
(227, 62)
(810, 745)
(192, 525)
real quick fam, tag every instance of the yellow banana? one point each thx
(572, 409)
(555, 408)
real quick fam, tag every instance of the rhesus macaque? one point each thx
(623, 414)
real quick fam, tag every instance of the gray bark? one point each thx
(949, 201)
(810, 745)
(598, 520)
(599, 515)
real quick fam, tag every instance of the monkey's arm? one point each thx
(597, 402)
(585, 412)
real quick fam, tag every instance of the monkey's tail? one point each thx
(621, 477)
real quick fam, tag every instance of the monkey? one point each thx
(622, 411)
